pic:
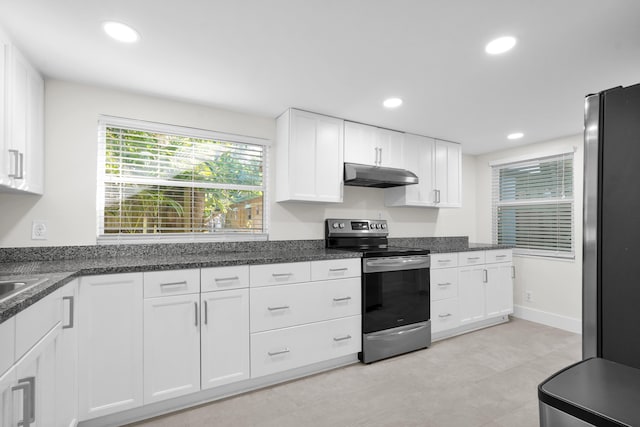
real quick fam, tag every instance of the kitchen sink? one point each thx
(9, 288)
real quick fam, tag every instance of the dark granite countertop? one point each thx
(60, 265)
(62, 272)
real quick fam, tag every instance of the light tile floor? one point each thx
(486, 378)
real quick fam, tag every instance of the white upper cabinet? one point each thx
(438, 166)
(309, 158)
(369, 145)
(21, 122)
(448, 174)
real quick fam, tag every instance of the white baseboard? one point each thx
(550, 319)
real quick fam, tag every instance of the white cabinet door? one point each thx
(110, 353)
(36, 372)
(225, 337)
(67, 363)
(499, 289)
(310, 149)
(360, 144)
(33, 172)
(448, 169)
(418, 157)
(471, 293)
(6, 157)
(171, 346)
(9, 415)
(390, 145)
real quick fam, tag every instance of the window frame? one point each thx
(556, 155)
(105, 121)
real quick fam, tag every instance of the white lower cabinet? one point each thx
(110, 353)
(224, 337)
(171, 346)
(479, 289)
(67, 363)
(288, 348)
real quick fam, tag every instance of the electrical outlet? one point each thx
(528, 296)
(39, 230)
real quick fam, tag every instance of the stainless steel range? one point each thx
(395, 288)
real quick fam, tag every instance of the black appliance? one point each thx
(604, 389)
(395, 288)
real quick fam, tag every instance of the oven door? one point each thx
(395, 292)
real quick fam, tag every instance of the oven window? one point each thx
(395, 298)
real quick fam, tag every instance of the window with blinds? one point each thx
(533, 206)
(166, 182)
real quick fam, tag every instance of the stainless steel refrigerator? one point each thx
(611, 267)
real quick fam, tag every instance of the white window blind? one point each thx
(162, 182)
(533, 206)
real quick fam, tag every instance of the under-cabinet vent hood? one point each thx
(377, 176)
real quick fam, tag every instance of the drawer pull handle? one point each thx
(226, 279)
(473, 258)
(275, 353)
(342, 299)
(444, 284)
(346, 337)
(335, 270)
(501, 256)
(276, 275)
(444, 260)
(282, 307)
(183, 283)
(442, 316)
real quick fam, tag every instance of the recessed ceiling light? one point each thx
(121, 32)
(500, 45)
(392, 102)
(515, 135)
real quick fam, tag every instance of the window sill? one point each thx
(183, 238)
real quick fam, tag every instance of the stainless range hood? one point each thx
(377, 176)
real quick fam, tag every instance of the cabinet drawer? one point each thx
(444, 283)
(283, 349)
(172, 282)
(471, 258)
(501, 255)
(279, 274)
(289, 305)
(222, 278)
(335, 269)
(445, 314)
(444, 260)
(7, 338)
(33, 323)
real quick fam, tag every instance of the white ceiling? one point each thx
(344, 57)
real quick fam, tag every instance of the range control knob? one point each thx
(384, 226)
(342, 225)
(378, 226)
(372, 226)
(335, 225)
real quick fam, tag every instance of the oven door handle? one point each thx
(393, 264)
(390, 335)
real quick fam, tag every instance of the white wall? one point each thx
(556, 285)
(69, 202)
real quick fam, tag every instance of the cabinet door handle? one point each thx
(28, 387)
(206, 312)
(513, 271)
(444, 284)
(346, 337)
(437, 196)
(275, 353)
(196, 311)
(485, 276)
(380, 156)
(342, 299)
(21, 161)
(442, 316)
(282, 307)
(70, 325)
(16, 165)
(376, 161)
(226, 279)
